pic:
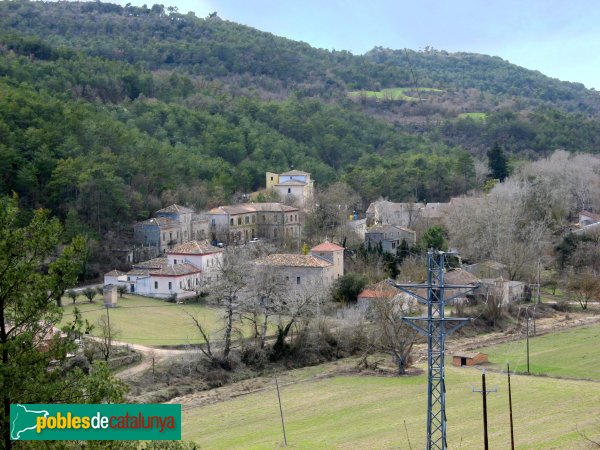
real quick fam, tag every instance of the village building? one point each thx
(320, 268)
(186, 269)
(382, 291)
(172, 225)
(241, 223)
(389, 237)
(115, 277)
(507, 291)
(294, 187)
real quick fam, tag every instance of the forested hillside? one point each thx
(108, 112)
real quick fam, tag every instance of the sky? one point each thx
(561, 39)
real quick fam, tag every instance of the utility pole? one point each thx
(528, 343)
(539, 300)
(434, 326)
(484, 394)
(280, 411)
(512, 434)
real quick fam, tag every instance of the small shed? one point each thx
(110, 295)
(469, 359)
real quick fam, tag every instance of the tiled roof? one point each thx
(162, 222)
(175, 209)
(379, 290)
(459, 276)
(140, 272)
(195, 248)
(245, 208)
(294, 172)
(291, 183)
(326, 247)
(591, 215)
(114, 273)
(176, 270)
(155, 263)
(290, 260)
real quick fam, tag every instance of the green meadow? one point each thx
(367, 412)
(573, 353)
(392, 93)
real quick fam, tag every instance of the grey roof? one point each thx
(294, 172)
(161, 222)
(245, 208)
(175, 208)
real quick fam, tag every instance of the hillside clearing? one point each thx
(392, 93)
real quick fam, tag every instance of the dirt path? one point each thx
(159, 355)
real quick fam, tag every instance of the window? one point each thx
(164, 237)
(213, 221)
(239, 220)
(170, 235)
(170, 286)
(231, 222)
(247, 219)
(156, 285)
(297, 280)
(271, 178)
(174, 261)
(289, 190)
(253, 219)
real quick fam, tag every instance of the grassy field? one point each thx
(391, 93)
(147, 321)
(573, 353)
(372, 412)
(473, 115)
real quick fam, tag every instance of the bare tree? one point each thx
(107, 335)
(232, 275)
(500, 226)
(584, 287)
(265, 299)
(301, 303)
(391, 334)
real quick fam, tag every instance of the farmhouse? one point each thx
(508, 291)
(389, 237)
(321, 267)
(185, 270)
(383, 291)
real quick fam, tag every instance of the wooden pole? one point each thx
(512, 435)
(527, 344)
(485, 427)
(280, 411)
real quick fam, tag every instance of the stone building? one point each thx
(294, 187)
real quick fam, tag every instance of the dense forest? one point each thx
(108, 112)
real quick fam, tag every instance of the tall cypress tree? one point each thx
(497, 162)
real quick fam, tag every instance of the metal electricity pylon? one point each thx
(435, 326)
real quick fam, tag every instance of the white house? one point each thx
(185, 270)
(294, 187)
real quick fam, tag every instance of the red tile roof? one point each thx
(326, 247)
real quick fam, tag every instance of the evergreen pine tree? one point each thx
(497, 163)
